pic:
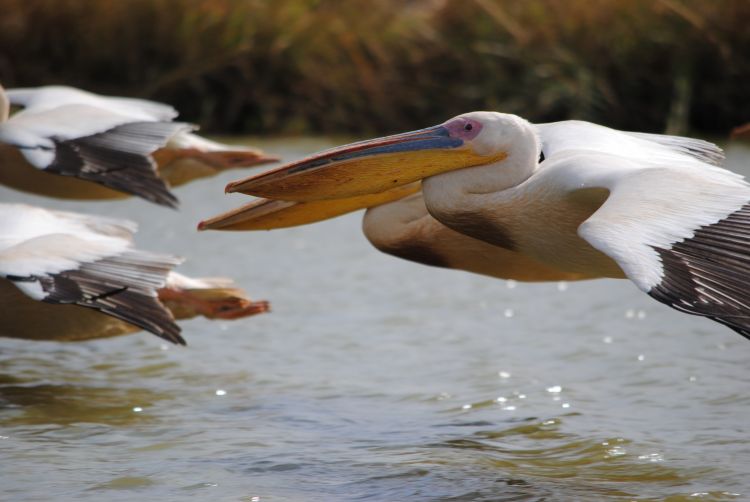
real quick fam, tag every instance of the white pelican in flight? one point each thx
(105, 147)
(397, 223)
(575, 196)
(53, 263)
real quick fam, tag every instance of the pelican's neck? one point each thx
(4, 105)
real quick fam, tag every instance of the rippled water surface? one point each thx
(377, 379)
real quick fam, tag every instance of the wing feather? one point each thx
(123, 286)
(69, 258)
(54, 96)
(578, 135)
(97, 145)
(680, 232)
(702, 150)
(121, 159)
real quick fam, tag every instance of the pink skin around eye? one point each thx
(463, 128)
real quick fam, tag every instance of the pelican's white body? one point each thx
(573, 196)
(601, 200)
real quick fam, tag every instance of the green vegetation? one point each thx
(366, 66)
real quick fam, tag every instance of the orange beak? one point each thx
(365, 167)
(266, 214)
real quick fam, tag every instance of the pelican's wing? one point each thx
(578, 135)
(681, 232)
(700, 149)
(405, 229)
(22, 222)
(53, 96)
(95, 145)
(88, 261)
(122, 285)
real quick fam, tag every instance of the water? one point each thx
(377, 379)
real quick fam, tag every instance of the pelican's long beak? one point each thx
(266, 214)
(365, 167)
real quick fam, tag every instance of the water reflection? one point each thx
(62, 404)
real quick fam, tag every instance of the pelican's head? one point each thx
(477, 139)
(509, 142)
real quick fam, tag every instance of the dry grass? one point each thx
(361, 66)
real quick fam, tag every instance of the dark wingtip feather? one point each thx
(121, 159)
(707, 275)
(123, 286)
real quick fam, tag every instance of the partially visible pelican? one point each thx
(106, 147)
(657, 210)
(184, 297)
(54, 263)
(209, 297)
(396, 223)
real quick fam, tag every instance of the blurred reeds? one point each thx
(366, 66)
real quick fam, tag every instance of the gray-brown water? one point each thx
(377, 379)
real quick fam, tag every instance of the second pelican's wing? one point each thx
(95, 145)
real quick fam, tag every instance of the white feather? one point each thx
(35, 241)
(650, 204)
(33, 132)
(578, 135)
(50, 97)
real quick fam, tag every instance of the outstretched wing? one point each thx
(123, 285)
(96, 145)
(54, 96)
(681, 232)
(578, 135)
(120, 158)
(700, 149)
(68, 259)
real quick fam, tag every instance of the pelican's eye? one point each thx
(464, 128)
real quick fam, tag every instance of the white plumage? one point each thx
(38, 132)
(62, 261)
(575, 196)
(36, 241)
(659, 190)
(69, 258)
(121, 144)
(93, 139)
(38, 99)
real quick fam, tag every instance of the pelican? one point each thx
(576, 196)
(397, 223)
(184, 297)
(53, 263)
(105, 147)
